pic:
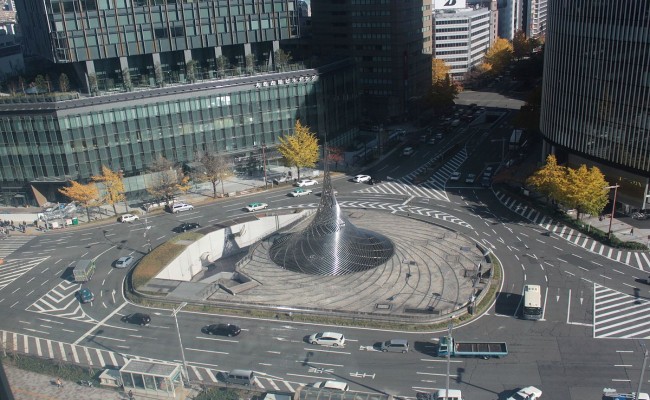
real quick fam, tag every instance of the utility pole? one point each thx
(180, 342)
(611, 216)
(645, 362)
(146, 230)
(264, 164)
(450, 328)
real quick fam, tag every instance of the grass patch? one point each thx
(54, 368)
(154, 262)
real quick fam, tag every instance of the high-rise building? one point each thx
(534, 18)
(390, 42)
(461, 38)
(596, 91)
(510, 18)
(156, 77)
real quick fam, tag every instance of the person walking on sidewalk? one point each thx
(59, 384)
(632, 231)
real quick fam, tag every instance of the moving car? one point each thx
(178, 207)
(408, 151)
(395, 345)
(128, 218)
(124, 262)
(361, 178)
(256, 207)
(222, 330)
(455, 176)
(306, 182)
(527, 393)
(333, 385)
(470, 178)
(297, 192)
(85, 295)
(137, 319)
(327, 339)
(186, 226)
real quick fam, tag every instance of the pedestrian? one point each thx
(130, 394)
(632, 231)
(59, 384)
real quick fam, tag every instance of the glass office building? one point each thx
(596, 91)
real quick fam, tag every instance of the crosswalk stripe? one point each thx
(627, 259)
(38, 348)
(100, 357)
(213, 378)
(646, 259)
(638, 260)
(64, 356)
(196, 372)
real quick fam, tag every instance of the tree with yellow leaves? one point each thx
(499, 55)
(166, 181)
(439, 70)
(550, 179)
(113, 187)
(86, 195)
(585, 190)
(299, 149)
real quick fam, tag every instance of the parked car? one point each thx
(455, 176)
(470, 178)
(178, 207)
(186, 226)
(85, 295)
(306, 182)
(124, 262)
(395, 345)
(361, 178)
(222, 330)
(408, 151)
(432, 141)
(297, 192)
(280, 179)
(527, 393)
(128, 218)
(137, 319)
(256, 207)
(327, 339)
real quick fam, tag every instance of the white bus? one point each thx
(532, 302)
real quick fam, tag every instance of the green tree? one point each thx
(158, 75)
(250, 63)
(86, 195)
(92, 84)
(216, 168)
(550, 179)
(222, 64)
(520, 45)
(40, 83)
(299, 149)
(166, 181)
(126, 79)
(190, 69)
(113, 186)
(282, 59)
(499, 55)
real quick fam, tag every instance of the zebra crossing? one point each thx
(61, 302)
(12, 243)
(10, 270)
(432, 188)
(620, 316)
(636, 259)
(401, 208)
(98, 358)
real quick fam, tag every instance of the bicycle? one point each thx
(85, 383)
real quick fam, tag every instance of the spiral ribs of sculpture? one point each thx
(331, 245)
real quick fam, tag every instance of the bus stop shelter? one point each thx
(152, 379)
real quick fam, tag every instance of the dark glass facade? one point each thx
(596, 89)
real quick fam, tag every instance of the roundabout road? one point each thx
(566, 354)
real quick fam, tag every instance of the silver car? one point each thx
(124, 262)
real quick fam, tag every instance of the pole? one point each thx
(645, 362)
(611, 216)
(264, 163)
(450, 327)
(180, 342)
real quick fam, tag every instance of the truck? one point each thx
(485, 350)
(83, 270)
(440, 394)
(612, 394)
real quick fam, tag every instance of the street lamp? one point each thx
(645, 362)
(450, 328)
(611, 216)
(146, 230)
(180, 342)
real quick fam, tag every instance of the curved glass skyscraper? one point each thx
(596, 91)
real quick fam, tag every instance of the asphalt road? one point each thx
(564, 354)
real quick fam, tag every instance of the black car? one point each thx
(222, 329)
(186, 226)
(137, 319)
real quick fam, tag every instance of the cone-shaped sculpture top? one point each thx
(331, 245)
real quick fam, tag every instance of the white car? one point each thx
(470, 178)
(332, 385)
(129, 218)
(408, 151)
(361, 178)
(178, 207)
(455, 176)
(327, 339)
(256, 207)
(527, 393)
(297, 192)
(306, 182)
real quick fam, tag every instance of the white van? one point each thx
(332, 385)
(241, 377)
(454, 394)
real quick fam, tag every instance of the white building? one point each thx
(535, 18)
(461, 38)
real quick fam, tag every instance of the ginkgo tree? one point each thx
(499, 55)
(113, 187)
(216, 168)
(581, 188)
(86, 195)
(299, 149)
(166, 181)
